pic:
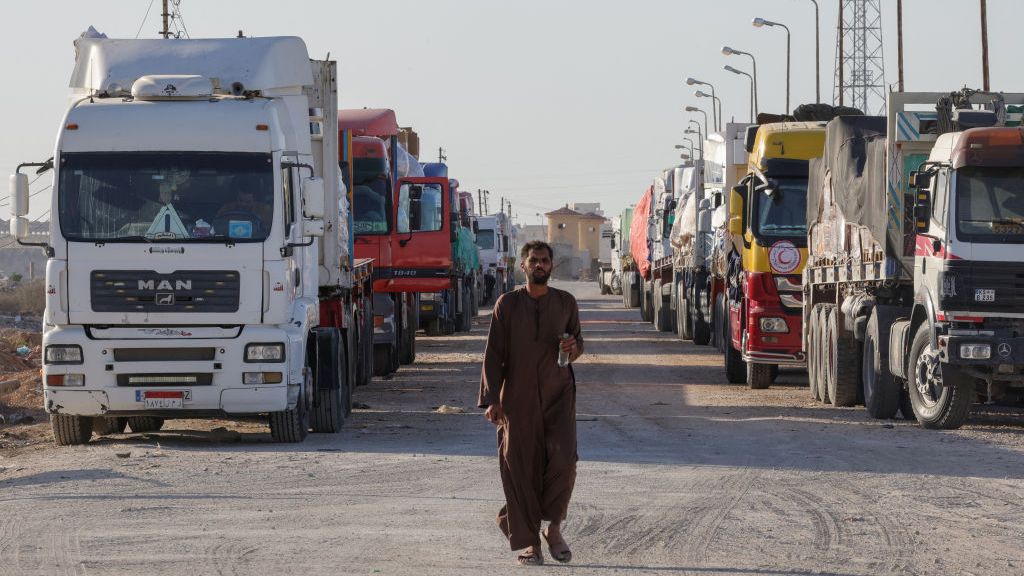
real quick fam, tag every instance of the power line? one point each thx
(143, 23)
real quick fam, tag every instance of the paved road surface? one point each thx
(680, 473)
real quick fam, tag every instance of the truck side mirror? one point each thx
(313, 197)
(454, 233)
(19, 205)
(736, 225)
(476, 227)
(922, 211)
(612, 239)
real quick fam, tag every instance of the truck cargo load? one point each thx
(639, 247)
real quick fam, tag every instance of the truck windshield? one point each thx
(370, 206)
(165, 196)
(485, 239)
(990, 204)
(785, 214)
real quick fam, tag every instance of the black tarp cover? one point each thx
(852, 168)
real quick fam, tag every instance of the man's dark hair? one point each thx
(532, 245)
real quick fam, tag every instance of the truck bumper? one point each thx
(782, 348)
(116, 374)
(1002, 349)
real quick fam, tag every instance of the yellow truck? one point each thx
(768, 229)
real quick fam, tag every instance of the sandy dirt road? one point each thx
(680, 473)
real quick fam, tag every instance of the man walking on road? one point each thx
(532, 401)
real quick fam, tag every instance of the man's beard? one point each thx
(539, 277)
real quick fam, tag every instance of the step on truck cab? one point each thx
(768, 225)
(199, 258)
(913, 293)
(372, 160)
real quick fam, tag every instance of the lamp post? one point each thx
(714, 99)
(700, 142)
(731, 51)
(817, 55)
(695, 109)
(685, 155)
(735, 71)
(761, 22)
(700, 132)
(692, 145)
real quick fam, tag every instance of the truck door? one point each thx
(422, 251)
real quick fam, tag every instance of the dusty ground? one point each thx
(680, 473)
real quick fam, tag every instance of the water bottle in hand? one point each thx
(563, 356)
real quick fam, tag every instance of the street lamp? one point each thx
(700, 133)
(817, 55)
(731, 51)
(735, 71)
(700, 142)
(695, 109)
(714, 99)
(760, 22)
(692, 145)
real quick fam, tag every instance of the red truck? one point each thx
(368, 158)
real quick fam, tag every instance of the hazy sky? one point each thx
(541, 102)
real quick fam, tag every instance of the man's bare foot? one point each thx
(531, 557)
(557, 545)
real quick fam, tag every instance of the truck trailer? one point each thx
(912, 293)
(199, 258)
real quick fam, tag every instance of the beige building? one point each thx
(576, 240)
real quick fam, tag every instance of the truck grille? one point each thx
(163, 354)
(180, 291)
(982, 286)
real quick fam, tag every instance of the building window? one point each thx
(561, 226)
(591, 229)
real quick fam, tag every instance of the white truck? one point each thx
(200, 252)
(912, 292)
(494, 238)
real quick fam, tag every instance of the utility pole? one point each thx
(441, 156)
(899, 43)
(166, 33)
(984, 45)
(480, 201)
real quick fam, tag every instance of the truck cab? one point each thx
(494, 241)
(768, 222)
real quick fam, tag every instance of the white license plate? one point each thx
(984, 295)
(164, 400)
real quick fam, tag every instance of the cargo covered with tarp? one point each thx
(638, 246)
(847, 202)
(684, 225)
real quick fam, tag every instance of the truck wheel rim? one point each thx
(927, 377)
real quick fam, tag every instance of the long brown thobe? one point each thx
(537, 441)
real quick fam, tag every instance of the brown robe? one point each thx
(537, 442)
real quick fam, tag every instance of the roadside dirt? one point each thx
(680, 473)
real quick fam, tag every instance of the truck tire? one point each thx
(364, 368)
(881, 393)
(646, 309)
(382, 359)
(328, 412)
(825, 361)
(434, 327)
(700, 328)
(139, 424)
(465, 319)
(906, 409)
(735, 367)
(845, 377)
(813, 352)
(292, 426)
(662, 321)
(683, 320)
(70, 429)
(941, 396)
(103, 425)
(716, 324)
(759, 376)
(408, 348)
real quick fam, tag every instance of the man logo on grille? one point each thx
(165, 298)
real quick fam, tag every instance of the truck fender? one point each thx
(899, 341)
(924, 311)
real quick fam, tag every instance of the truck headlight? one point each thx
(63, 354)
(774, 325)
(976, 351)
(264, 352)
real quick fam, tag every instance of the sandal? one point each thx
(559, 549)
(531, 557)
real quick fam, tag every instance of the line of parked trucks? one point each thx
(225, 241)
(881, 253)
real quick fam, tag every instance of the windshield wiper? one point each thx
(100, 241)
